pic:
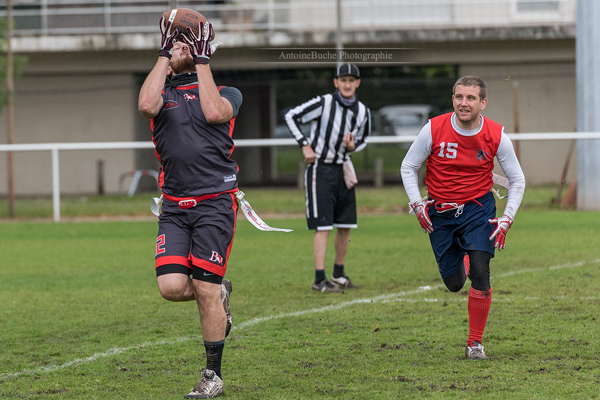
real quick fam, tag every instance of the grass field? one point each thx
(82, 319)
(281, 201)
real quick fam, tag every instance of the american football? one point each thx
(184, 17)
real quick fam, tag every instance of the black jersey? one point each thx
(195, 155)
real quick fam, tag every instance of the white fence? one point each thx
(55, 149)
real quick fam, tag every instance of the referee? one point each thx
(340, 125)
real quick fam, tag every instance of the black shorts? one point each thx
(200, 236)
(329, 203)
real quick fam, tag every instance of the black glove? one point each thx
(201, 48)
(166, 41)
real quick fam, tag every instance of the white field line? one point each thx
(383, 299)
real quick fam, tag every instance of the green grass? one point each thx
(82, 318)
(284, 201)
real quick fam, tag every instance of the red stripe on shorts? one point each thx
(160, 261)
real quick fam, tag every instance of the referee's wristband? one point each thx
(303, 142)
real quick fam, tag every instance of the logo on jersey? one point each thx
(229, 178)
(215, 257)
(170, 104)
(189, 97)
(482, 155)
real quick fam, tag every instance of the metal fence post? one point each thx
(55, 184)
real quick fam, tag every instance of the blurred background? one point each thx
(81, 63)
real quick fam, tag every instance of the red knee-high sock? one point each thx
(479, 308)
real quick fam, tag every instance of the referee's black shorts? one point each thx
(329, 203)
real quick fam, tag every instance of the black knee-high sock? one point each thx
(214, 353)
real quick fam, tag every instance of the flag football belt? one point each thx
(189, 202)
(442, 207)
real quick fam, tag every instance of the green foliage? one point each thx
(82, 318)
(19, 62)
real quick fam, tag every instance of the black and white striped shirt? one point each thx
(330, 120)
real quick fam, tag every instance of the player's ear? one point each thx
(483, 103)
(169, 71)
(335, 82)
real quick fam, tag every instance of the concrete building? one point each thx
(88, 58)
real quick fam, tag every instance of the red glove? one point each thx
(167, 40)
(200, 47)
(503, 225)
(421, 210)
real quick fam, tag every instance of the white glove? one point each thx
(421, 210)
(503, 225)
(167, 39)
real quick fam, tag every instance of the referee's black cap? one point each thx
(347, 69)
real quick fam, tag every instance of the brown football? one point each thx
(184, 17)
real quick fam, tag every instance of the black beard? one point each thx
(183, 65)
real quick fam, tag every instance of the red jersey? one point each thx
(459, 168)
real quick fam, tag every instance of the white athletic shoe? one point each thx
(209, 387)
(475, 352)
(343, 282)
(325, 286)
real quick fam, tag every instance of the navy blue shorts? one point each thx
(453, 235)
(200, 236)
(329, 203)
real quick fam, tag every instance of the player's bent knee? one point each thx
(456, 281)
(175, 287)
(454, 287)
(171, 294)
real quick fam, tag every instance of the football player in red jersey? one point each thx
(459, 212)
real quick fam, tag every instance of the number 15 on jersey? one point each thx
(448, 150)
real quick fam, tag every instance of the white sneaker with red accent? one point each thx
(475, 352)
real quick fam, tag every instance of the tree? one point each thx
(9, 67)
(19, 63)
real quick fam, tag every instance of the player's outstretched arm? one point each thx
(216, 109)
(150, 99)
